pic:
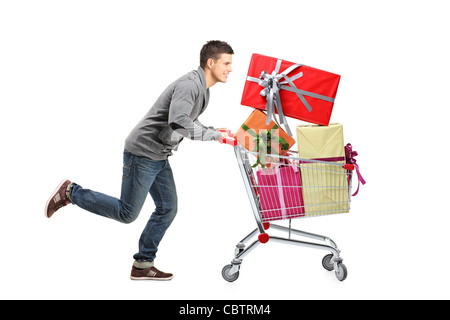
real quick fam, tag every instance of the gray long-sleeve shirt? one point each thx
(173, 116)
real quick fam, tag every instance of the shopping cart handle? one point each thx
(228, 131)
(230, 141)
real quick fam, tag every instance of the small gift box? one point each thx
(269, 139)
(325, 186)
(321, 142)
(290, 89)
(280, 193)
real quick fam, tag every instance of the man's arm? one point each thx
(181, 106)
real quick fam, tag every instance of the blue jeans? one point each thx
(140, 176)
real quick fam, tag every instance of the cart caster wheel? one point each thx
(227, 276)
(326, 262)
(341, 272)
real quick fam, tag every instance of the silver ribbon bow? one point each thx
(272, 86)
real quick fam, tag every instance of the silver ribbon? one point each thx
(272, 86)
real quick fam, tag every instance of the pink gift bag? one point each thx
(280, 193)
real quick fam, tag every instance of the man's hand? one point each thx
(225, 132)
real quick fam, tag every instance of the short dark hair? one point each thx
(213, 49)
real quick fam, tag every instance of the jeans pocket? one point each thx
(127, 162)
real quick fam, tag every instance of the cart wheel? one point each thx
(326, 262)
(341, 272)
(227, 276)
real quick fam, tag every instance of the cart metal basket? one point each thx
(287, 187)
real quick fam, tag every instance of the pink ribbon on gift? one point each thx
(350, 154)
(289, 162)
(280, 194)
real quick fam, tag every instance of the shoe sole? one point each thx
(52, 196)
(150, 278)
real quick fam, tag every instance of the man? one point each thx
(146, 168)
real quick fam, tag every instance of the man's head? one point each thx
(215, 59)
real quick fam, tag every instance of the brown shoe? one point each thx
(58, 199)
(149, 274)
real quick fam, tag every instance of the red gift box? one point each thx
(290, 89)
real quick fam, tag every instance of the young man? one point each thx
(146, 168)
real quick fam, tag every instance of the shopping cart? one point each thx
(287, 187)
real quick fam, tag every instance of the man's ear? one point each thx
(210, 63)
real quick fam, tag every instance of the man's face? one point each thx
(221, 68)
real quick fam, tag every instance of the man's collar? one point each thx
(202, 76)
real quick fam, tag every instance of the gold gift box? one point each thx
(325, 185)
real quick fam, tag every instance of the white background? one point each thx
(76, 76)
